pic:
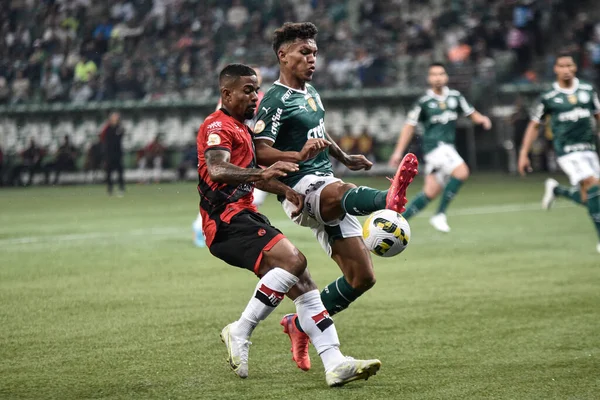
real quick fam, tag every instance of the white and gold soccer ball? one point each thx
(386, 233)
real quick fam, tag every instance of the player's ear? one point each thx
(225, 93)
(281, 54)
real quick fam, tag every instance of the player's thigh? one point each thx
(579, 166)
(330, 200)
(461, 171)
(311, 186)
(433, 185)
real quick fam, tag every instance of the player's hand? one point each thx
(312, 148)
(297, 200)
(279, 169)
(524, 164)
(357, 162)
(486, 122)
(395, 160)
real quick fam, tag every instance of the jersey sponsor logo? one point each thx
(266, 109)
(268, 296)
(275, 121)
(287, 95)
(574, 115)
(583, 97)
(579, 147)
(303, 107)
(262, 232)
(318, 132)
(259, 127)
(213, 139)
(312, 104)
(558, 100)
(313, 187)
(444, 117)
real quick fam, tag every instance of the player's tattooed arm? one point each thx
(222, 171)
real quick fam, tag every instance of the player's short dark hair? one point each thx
(563, 54)
(437, 64)
(232, 72)
(291, 31)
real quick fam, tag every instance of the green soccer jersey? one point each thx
(438, 114)
(570, 113)
(289, 117)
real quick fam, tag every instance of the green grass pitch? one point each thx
(107, 298)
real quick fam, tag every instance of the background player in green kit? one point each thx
(445, 169)
(290, 125)
(570, 104)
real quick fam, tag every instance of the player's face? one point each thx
(299, 58)
(565, 69)
(242, 96)
(438, 78)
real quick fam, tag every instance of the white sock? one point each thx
(318, 325)
(259, 197)
(269, 292)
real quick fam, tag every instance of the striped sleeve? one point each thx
(539, 111)
(465, 106)
(414, 115)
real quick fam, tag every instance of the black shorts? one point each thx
(242, 241)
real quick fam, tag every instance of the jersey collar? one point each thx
(443, 97)
(305, 91)
(571, 90)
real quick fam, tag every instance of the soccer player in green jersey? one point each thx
(570, 103)
(290, 125)
(445, 169)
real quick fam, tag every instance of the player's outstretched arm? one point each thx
(222, 171)
(481, 119)
(403, 140)
(276, 187)
(267, 155)
(354, 162)
(531, 133)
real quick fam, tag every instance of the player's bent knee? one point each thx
(283, 255)
(461, 172)
(363, 282)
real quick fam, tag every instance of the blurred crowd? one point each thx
(84, 50)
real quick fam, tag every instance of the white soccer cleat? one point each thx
(237, 350)
(549, 195)
(440, 223)
(351, 370)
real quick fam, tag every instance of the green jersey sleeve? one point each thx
(595, 103)
(539, 110)
(466, 107)
(269, 118)
(415, 115)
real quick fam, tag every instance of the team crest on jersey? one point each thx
(452, 103)
(213, 139)
(583, 97)
(442, 105)
(259, 127)
(312, 104)
(572, 99)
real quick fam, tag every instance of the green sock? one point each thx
(593, 205)
(571, 193)
(336, 297)
(363, 200)
(417, 204)
(449, 192)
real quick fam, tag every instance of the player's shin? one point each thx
(593, 205)
(416, 205)
(338, 295)
(363, 200)
(450, 191)
(571, 193)
(319, 327)
(268, 294)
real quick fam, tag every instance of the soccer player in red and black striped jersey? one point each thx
(239, 235)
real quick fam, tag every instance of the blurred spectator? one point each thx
(64, 159)
(151, 155)
(31, 161)
(85, 69)
(112, 149)
(4, 91)
(189, 160)
(21, 88)
(51, 85)
(237, 15)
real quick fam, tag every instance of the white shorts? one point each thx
(580, 165)
(325, 231)
(442, 161)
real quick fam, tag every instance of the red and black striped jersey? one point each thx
(219, 202)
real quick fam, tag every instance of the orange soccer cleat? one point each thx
(396, 196)
(299, 341)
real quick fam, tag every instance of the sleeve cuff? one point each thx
(264, 137)
(469, 112)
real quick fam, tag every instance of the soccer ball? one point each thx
(386, 233)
